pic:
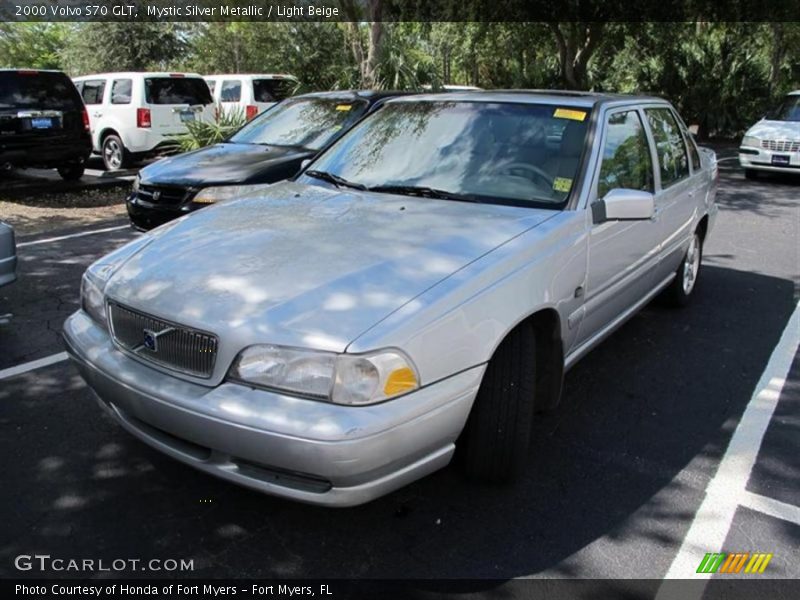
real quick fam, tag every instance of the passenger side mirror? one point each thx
(624, 205)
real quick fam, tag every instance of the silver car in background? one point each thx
(420, 288)
(8, 254)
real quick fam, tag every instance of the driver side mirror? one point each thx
(624, 205)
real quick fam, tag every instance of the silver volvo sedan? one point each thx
(418, 290)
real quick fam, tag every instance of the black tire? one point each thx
(751, 174)
(115, 155)
(71, 172)
(678, 294)
(496, 438)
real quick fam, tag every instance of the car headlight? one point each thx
(750, 140)
(210, 195)
(339, 378)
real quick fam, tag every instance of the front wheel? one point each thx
(496, 438)
(680, 290)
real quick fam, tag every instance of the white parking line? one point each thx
(726, 491)
(773, 508)
(72, 235)
(32, 365)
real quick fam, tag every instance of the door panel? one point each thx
(622, 254)
(675, 201)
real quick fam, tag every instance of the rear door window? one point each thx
(231, 91)
(121, 91)
(273, 90)
(41, 90)
(92, 91)
(672, 157)
(176, 90)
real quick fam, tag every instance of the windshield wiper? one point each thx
(422, 192)
(334, 179)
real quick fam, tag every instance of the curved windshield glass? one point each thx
(788, 110)
(503, 153)
(307, 122)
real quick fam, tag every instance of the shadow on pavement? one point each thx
(663, 393)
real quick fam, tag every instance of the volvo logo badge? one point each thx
(150, 340)
(156, 196)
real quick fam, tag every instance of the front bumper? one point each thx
(305, 450)
(147, 216)
(751, 157)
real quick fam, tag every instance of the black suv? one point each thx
(43, 122)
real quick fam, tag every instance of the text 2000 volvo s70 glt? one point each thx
(419, 289)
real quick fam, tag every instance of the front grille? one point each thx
(158, 194)
(175, 347)
(781, 145)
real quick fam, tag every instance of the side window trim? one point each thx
(691, 147)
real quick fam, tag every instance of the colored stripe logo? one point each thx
(722, 562)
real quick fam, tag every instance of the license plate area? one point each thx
(187, 116)
(780, 160)
(43, 123)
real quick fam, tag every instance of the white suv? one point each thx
(133, 115)
(252, 94)
(773, 144)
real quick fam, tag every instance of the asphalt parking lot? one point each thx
(618, 474)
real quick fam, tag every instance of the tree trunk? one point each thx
(576, 43)
(368, 60)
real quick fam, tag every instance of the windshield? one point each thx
(307, 122)
(519, 154)
(176, 90)
(273, 90)
(788, 110)
(38, 90)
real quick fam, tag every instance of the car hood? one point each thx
(775, 130)
(225, 164)
(308, 266)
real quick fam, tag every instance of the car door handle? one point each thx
(97, 114)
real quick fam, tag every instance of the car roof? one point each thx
(253, 75)
(794, 93)
(131, 74)
(350, 95)
(555, 97)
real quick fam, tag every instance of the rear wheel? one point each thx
(71, 172)
(115, 156)
(496, 438)
(680, 290)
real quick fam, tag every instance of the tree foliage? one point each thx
(720, 75)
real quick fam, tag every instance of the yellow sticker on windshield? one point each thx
(562, 184)
(344, 106)
(566, 113)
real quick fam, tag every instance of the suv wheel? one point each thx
(71, 172)
(497, 435)
(115, 156)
